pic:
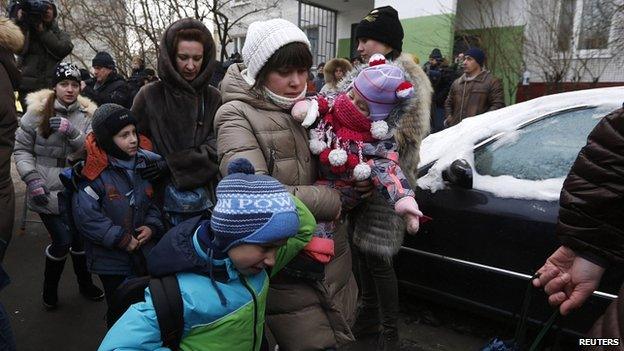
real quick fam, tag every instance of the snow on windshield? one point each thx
(458, 142)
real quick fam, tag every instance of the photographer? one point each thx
(46, 44)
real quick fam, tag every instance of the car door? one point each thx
(484, 242)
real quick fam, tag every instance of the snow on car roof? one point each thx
(459, 141)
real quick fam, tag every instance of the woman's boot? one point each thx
(85, 283)
(51, 276)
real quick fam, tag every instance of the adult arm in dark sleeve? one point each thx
(56, 41)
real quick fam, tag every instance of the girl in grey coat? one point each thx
(50, 136)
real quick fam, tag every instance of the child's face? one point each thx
(251, 259)
(127, 140)
(358, 101)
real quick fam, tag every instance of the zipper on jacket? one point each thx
(255, 308)
(461, 106)
(271, 161)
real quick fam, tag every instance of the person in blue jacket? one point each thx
(223, 266)
(113, 206)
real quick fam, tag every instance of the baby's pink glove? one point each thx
(408, 209)
(306, 112)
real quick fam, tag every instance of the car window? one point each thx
(541, 150)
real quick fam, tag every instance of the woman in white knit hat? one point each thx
(310, 306)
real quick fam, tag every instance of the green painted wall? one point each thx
(503, 46)
(344, 47)
(423, 34)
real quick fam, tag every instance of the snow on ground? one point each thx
(458, 142)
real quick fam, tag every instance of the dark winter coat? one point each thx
(11, 42)
(41, 53)
(441, 78)
(135, 82)
(591, 217)
(469, 98)
(108, 208)
(113, 90)
(178, 115)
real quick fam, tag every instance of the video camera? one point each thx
(32, 10)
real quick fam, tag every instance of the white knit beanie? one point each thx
(264, 38)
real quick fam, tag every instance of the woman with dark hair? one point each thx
(176, 114)
(378, 231)
(310, 306)
(335, 70)
(50, 137)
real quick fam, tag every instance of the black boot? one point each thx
(85, 283)
(367, 322)
(388, 341)
(51, 276)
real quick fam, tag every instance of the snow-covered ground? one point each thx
(459, 141)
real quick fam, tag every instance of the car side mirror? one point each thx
(459, 173)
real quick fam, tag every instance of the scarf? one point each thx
(284, 102)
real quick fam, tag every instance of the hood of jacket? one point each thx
(479, 78)
(235, 87)
(166, 60)
(11, 37)
(330, 68)
(37, 101)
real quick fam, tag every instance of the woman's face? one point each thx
(338, 73)
(189, 57)
(288, 82)
(368, 47)
(67, 91)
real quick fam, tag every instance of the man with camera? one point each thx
(46, 44)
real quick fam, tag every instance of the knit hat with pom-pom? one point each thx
(251, 209)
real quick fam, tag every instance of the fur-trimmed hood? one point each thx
(36, 102)
(330, 68)
(11, 37)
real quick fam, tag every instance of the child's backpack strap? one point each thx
(167, 301)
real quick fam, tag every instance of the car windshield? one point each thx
(541, 150)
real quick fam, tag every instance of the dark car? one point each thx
(491, 185)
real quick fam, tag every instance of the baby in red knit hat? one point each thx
(354, 143)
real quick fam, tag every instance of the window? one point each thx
(566, 25)
(541, 150)
(595, 24)
(313, 35)
(238, 43)
(239, 2)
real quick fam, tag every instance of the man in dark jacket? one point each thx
(108, 86)
(11, 42)
(46, 45)
(591, 227)
(137, 79)
(475, 92)
(441, 77)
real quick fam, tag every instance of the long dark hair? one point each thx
(292, 56)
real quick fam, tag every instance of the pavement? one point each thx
(78, 324)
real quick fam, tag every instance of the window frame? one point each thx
(576, 35)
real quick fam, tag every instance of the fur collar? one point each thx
(36, 102)
(11, 37)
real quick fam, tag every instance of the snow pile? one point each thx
(458, 142)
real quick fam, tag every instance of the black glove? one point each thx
(154, 170)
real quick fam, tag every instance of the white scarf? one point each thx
(284, 102)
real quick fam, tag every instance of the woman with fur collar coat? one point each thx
(11, 42)
(378, 231)
(50, 137)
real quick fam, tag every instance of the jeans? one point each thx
(62, 237)
(379, 286)
(110, 283)
(437, 120)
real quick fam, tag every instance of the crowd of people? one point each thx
(276, 199)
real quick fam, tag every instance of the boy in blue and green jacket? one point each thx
(223, 266)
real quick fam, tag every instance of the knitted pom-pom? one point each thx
(317, 146)
(338, 169)
(377, 59)
(337, 157)
(324, 156)
(379, 129)
(323, 105)
(361, 172)
(240, 165)
(352, 161)
(405, 90)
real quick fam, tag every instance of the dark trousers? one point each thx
(110, 283)
(62, 237)
(379, 288)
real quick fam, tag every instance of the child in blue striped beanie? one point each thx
(223, 266)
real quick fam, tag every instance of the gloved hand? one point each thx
(154, 170)
(64, 126)
(37, 191)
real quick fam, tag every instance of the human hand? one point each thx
(83, 85)
(412, 223)
(154, 170)
(64, 126)
(568, 279)
(133, 245)
(364, 187)
(144, 234)
(39, 27)
(37, 191)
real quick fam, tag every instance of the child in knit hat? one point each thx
(354, 141)
(113, 207)
(223, 266)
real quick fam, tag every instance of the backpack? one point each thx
(167, 300)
